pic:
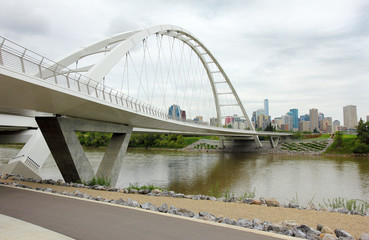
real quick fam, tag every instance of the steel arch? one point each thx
(117, 46)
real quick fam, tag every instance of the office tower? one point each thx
(295, 114)
(304, 126)
(367, 118)
(174, 112)
(314, 121)
(336, 122)
(350, 116)
(266, 107)
(305, 117)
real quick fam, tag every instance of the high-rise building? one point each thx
(304, 126)
(350, 116)
(287, 120)
(314, 121)
(213, 121)
(295, 116)
(336, 122)
(174, 112)
(367, 118)
(266, 107)
(305, 117)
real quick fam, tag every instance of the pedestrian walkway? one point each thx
(15, 229)
(86, 219)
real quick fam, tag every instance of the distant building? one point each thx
(213, 121)
(285, 127)
(314, 120)
(260, 119)
(228, 120)
(277, 122)
(174, 112)
(295, 117)
(336, 122)
(183, 115)
(287, 119)
(304, 126)
(266, 107)
(350, 116)
(305, 117)
(367, 118)
(198, 119)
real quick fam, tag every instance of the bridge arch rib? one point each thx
(116, 47)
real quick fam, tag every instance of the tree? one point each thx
(338, 139)
(269, 128)
(316, 131)
(363, 132)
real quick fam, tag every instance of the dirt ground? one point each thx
(353, 224)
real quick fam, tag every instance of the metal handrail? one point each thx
(17, 57)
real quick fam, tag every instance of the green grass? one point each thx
(135, 186)
(190, 140)
(348, 143)
(349, 204)
(101, 180)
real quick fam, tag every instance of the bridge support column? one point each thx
(59, 134)
(274, 142)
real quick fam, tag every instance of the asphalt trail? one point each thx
(89, 220)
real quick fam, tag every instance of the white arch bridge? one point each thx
(123, 82)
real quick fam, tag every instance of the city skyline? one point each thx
(298, 55)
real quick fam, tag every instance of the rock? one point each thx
(312, 233)
(262, 200)
(157, 191)
(341, 233)
(319, 227)
(293, 205)
(272, 202)
(234, 199)
(132, 203)
(149, 206)
(196, 197)
(144, 191)
(120, 201)
(134, 191)
(244, 223)
(189, 196)
(212, 198)
(289, 224)
(207, 216)
(247, 200)
(326, 229)
(179, 195)
(256, 202)
(328, 236)
(173, 210)
(229, 221)
(221, 199)
(298, 233)
(276, 228)
(257, 221)
(343, 210)
(163, 208)
(364, 236)
(186, 212)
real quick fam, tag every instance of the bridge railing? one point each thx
(26, 61)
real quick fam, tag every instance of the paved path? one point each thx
(82, 219)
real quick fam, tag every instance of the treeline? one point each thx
(96, 139)
(157, 141)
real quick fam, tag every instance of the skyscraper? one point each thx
(295, 117)
(314, 122)
(266, 107)
(350, 116)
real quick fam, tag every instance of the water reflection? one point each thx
(276, 176)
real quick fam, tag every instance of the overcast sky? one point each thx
(297, 53)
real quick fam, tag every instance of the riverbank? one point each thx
(261, 215)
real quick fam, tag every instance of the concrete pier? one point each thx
(59, 134)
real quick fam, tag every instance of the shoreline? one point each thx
(225, 211)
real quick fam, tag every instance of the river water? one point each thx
(283, 177)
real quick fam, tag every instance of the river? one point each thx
(282, 177)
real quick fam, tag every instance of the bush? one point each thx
(360, 147)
